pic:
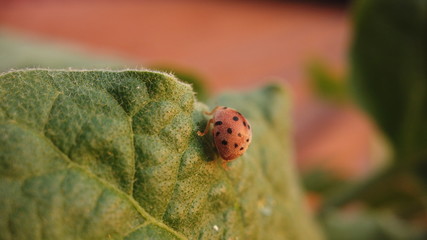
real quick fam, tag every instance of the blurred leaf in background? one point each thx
(388, 61)
(389, 78)
(322, 181)
(389, 71)
(326, 84)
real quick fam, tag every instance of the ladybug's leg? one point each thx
(213, 111)
(224, 165)
(206, 129)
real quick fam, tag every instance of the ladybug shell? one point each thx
(232, 133)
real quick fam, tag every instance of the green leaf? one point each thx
(389, 70)
(115, 155)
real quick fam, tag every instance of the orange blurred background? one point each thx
(235, 45)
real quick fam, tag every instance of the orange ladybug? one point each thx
(231, 132)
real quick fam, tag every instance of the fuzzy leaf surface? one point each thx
(115, 155)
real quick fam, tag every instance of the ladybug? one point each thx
(231, 132)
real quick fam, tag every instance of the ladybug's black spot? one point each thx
(224, 142)
(244, 123)
(249, 127)
(229, 130)
(218, 123)
(235, 118)
(239, 134)
(247, 140)
(241, 148)
(224, 107)
(217, 133)
(235, 145)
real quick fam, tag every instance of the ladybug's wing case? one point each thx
(232, 133)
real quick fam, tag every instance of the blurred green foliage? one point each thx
(356, 224)
(389, 71)
(388, 77)
(326, 84)
(322, 181)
